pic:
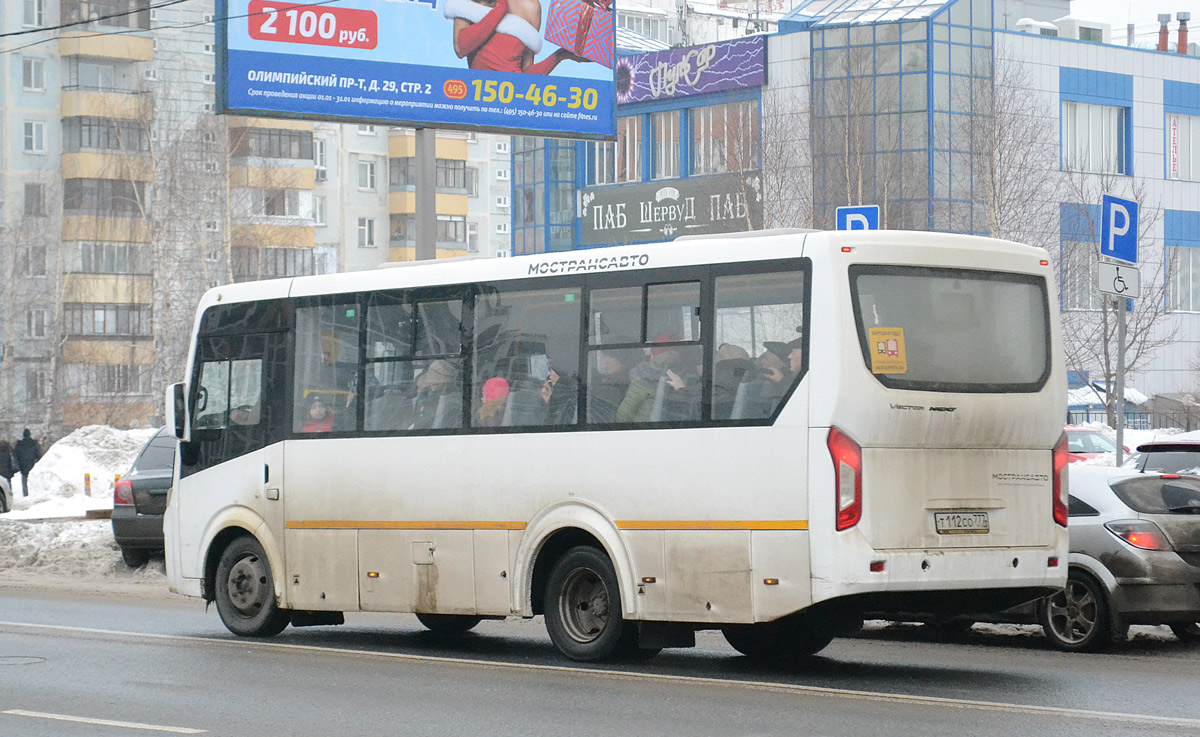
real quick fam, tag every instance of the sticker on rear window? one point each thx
(887, 350)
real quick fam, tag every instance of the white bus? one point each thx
(767, 434)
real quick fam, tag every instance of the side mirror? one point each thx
(176, 411)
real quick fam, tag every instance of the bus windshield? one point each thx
(952, 330)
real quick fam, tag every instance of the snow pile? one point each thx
(56, 484)
(74, 549)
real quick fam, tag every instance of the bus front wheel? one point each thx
(583, 608)
(246, 591)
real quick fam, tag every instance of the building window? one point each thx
(403, 228)
(210, 48)
(402, 172)
(108, 258)
(725, 138)
(451, 229)
(629, 149)
(108, 196)
(35, 200)
(502, 228)
(1183, 147)
(121, 379)
(33, 72)
(502, 202)
(318, 211)
(1094, 137)
(106, 319)
(601, 162)
(502, 175)
(35, 323)
(665, 143)
(273, 144)
(31, 261)
(366, 232)
(366, 130)
(251, 263)
(451, 174)
(1183, 285)
(1095, 35)
(35, 384)
(366, 175)
(472, 236)
(35, 137)
(319, 155)
(502, 147)
(35, 13)
(1079, 271)
(276, 202)
(90, 76)
(210, 78)
(105, 134)
(472, 181)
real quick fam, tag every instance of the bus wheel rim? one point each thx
(584, 605)
(247, 585)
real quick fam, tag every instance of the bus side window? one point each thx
(326, 367)
(761, 343)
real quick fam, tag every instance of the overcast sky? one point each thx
(1143, 14)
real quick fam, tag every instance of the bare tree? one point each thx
(786, 185)
(1090, 320)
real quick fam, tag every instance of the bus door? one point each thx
(237, 413)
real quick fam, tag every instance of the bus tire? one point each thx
(792, 637)
(1078, 618)
(583, 608)
(246, 591)
(448, 623)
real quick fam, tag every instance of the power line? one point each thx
(92, 20)
(179, 26)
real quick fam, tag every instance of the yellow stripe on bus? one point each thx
(753, 524)
(354, 524)
(636, 524)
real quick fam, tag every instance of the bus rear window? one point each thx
(952, 330)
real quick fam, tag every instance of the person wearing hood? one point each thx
(320, 417)
(638, 404)
(26, 453)
(7, 469)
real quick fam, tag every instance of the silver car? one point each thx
(6, 497)
(1134, 558)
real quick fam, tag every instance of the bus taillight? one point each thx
(1060, 489)
(847, 474)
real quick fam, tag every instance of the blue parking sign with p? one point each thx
(1119, 228)
(865, 217)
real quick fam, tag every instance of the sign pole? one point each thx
(1121, 305)
(425, 232)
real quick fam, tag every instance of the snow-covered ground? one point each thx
(47, 538)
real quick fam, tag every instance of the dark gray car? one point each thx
(1135, 558)
(140, 498)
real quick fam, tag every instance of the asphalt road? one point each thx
(83, 663)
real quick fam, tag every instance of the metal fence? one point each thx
(1140, 420)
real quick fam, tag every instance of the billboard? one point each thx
(515, 66)
(695, 70)
(663, 211)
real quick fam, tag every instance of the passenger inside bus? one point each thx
(659, 386)
(438, 403)
(731, 365)
(495, 400)
(319, 417)
(610, 380)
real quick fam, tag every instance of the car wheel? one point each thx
(246, 591)
(448, 623)
(784, 638)
(583, 608)
(134, 558)
(1078, 618)
(1187, 632)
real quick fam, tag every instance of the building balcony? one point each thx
(409, 253)
(108, 288)
(123, 229)
(300, 176)
(109, 350)
(122, 46)
(133, 167)
(405, 203)
(238, 123)
(106, 103)
(402, 146)
(272, 235)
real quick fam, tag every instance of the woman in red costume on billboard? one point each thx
(503, 39)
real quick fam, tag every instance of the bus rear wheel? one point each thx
(583, 608)
(246, 591)
(448, 623)
(792, 637)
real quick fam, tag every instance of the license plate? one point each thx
(961, 523)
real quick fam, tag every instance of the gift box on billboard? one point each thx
(585, 28)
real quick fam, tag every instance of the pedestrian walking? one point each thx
(27, 452)
(7, 469)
